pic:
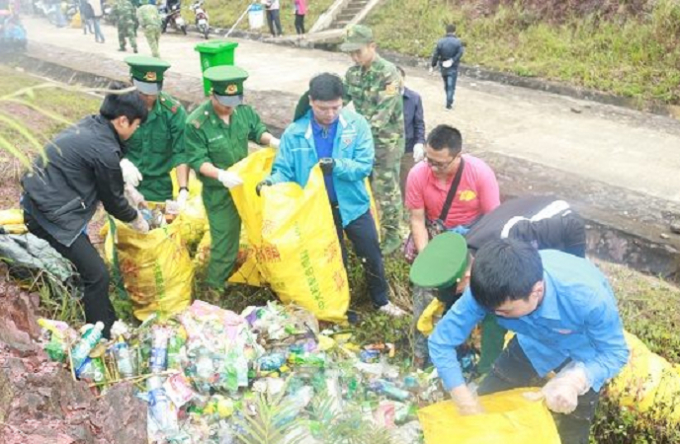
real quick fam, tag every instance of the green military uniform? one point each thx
(158, 144)
(123, 14)
(376, 94)
(435, 273)
(211, 140)
(150, 21)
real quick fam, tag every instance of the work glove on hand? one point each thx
(561, 392)
(182, 198)
(327, 164)
(274, 142)
(228, 179)
(466, 401)
(131, 175)
(418, 152)
(134, 197)
(264, 183)
(140, 224)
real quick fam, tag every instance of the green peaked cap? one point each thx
(227, 83)
(147, 73)
(356, 37)
(442, 263)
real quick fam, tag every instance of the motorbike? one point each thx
(47, 9)
(201, 18)
(173, 17)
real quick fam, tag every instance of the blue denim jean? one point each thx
(450, 79)
(98, 35)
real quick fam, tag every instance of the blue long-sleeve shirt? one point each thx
(577, 319)
(414, 120)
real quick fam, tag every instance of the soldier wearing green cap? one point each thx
(217, 135)
(374, 86)
(158, 145)
(150, 21)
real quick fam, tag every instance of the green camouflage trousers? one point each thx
(127, 30)
(387, 193)
(153, 34)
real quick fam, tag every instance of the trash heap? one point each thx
(208, 373)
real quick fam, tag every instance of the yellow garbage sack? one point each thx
(193, 219)
(430, 316)
(154, 270)
(76, 21)
(292, 232)
(12, 221)
(648, 383)
(510, 419)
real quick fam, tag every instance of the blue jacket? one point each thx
(577, 320)
(353, 153)
(448, 48)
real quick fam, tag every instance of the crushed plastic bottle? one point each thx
(159, 349)
(272, 362)
(389, 389)
(124, 358)
(92, 369)
(175, 351)
(161, 410)
(87, 342)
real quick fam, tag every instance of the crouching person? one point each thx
(81, 168)
(564, 314)
(340, 141)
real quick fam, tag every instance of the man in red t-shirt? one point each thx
(427, 186)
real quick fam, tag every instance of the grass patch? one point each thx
(633, 56)
(225, 13)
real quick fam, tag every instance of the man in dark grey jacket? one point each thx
(81, 168)
(447, 55)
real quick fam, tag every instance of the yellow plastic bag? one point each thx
(510, 419)
(292, 232)
(193, 219)
(648, 383)
(12, 221)
(154, 270)
(429, 317)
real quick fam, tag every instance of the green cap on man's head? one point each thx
(442, 263)
(227, 83)
(147, 73)
(356, 37)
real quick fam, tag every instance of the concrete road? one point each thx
(625, 148)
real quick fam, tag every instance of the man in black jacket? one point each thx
(447, 55)
(81, 168)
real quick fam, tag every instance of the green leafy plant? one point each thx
(271, 421)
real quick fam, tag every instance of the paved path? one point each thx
(620, 147)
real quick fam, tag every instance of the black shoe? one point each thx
(135, 50)
(353, 317)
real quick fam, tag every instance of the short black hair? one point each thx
(503, 270)
(445, 136)
(402, 72)
(326, 87)
(450, 28)
(129, 104)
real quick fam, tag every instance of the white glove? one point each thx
(182, 198)
(418, 152)
(140, 224)
(274, 142)
(228, 179)
(134, 197)
(561, 392)
(131, 174)
(466, 401)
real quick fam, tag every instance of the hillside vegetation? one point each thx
(625, 47)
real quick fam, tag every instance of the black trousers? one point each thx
(364, 237)
(274, 22)
(512, 370)
(300, 23)
(94, 276)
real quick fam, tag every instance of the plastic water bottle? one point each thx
(159, 350)
(160, 408)
(124, 360)
(389, 389)
(87, 342)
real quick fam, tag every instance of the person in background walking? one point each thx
(447, 55)
(414, 131)
(97, 13)
(86, 16)
(273, 16)
(123, 14)
(150, 21)
(300, 11)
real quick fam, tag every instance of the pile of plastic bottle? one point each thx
(203, 370)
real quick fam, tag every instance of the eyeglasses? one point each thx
(439, 165)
